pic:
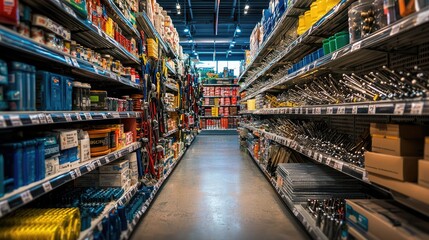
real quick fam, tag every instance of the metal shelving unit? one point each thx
(26, 194)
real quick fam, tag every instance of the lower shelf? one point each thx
(298, 210)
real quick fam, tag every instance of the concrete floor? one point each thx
(217, 192)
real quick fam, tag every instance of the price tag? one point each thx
(318, 110)
(103, 115)
(42, 118)
(95, 69)
(34, 118)
(68, 60)
(73, 174)
(320, 158)
(4, 208)
(334, 56)
(339, 165)
(68, 117)
(99, 31)
(88, 116)
(117, 155)
(328, 161)
(310, 153)
(47, 187)
(116, 115)
(26, 196)
(2, 122)
(329, 110)
(395, 29)
(98, 162)
(341, 110)
(78, 116)
(356, 46)
(399, 109)
(417, 108)
(16, 120)
(422, 17)
(307, 110)
(365, 176)
(75, 63)
(78, 173)
(371, 109)
(49, 118)
(355, 110)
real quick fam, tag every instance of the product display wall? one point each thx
(98, 107)
(341, 90)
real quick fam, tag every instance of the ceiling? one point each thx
(200, 17)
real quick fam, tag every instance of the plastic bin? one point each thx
(332, 44)
(326, 46)
(341, 39)
(365, 17)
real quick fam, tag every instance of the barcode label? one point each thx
(26, 196)
(16, 120)
(47, 186)
(34, 119)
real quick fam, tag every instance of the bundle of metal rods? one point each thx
(382, 84)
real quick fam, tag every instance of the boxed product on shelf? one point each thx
(67, 138)
(98, 100)
(52, 166)
(21, 88)
(382, 219)
(115, 179)
(91, 179)
(117, 167)
(423, 176)
(84, 146)
(9, 12)
(397, 167)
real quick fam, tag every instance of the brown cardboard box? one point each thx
(400, 168)
(384, 220)
(398, 130)
(423, 177)
(426, 150)
(397, 146)
(411, 190)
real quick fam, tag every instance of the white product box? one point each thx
(116, 167)
(85, 150)
(68, 138)
(51, 166)
(114, 180)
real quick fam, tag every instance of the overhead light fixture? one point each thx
(178, 5)
(238, 29)
(178, 12)
(246, 7)
(186, 30)
(231, 45)
(233, 41)
(190, 41)
(245, 12)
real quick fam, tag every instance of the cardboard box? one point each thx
(116, 167)
(88, 180)
(397, 146)
(129, 138)
(114, 180)
(358, 235)
(412, 190)
(51, 166)
(400, 168)
(426, 149)
(423, 176)
(398, 130)
(384, 220)
(68, 138)
(85, 150)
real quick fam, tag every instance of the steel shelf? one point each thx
(288, 20)
(411, 107)
(22, 196)
(21, 119)
(118, 16)
(171, 69)
(298, 211)
(308, 42)
(396, 35)
(83, 30)
(146, 25)
(96, 223)
(344, 167)
(14, 41)
(171, 132)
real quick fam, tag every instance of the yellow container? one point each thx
(301, 25)
(330, 4)
(100, 142)
(321, 8)
(307, 17)
(251, 104)
(314, 13)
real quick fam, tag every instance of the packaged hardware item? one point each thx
(9, 12)
(67, 138)
(21, 90)
(99, 141)
(116, 167)
(52, 166)
(98, 100)
(396, 167)
(365, 17)
(84, 146)
(49, 91)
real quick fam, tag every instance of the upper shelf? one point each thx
(289, 18)
(396, 35)
(308, 42)
(38, 52)
(84, 31)
(146, 25)
(118, 16)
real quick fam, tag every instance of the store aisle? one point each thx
(217, 192)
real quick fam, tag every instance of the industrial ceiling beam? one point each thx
(216, 21)
(190, 10)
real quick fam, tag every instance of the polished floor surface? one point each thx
(217, 192)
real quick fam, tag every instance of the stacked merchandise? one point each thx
(302, 181)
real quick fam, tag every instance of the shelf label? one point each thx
(4, 208)
(116, 115)
(355, 110)
(341, 110)
(356, 46)
(47, 187)
(318, 110)
(79, 118)
(95, 69)
(310, 153)
(371, 109)
(16, 120)
(42, 118)
(417, 108)
(78, 173)
(399, 109)
(339, 165)
(49, 118)
(75, 63)
(34, 118)
(320, 158)
(26, 196)
(329, 110)
(395, 29)
(88, 116)
(68, 117)
(68, 60)
(334, 56)
(98, 162)
(2, 122)
(103, 115)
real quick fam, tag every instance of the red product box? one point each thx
(9, 13)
